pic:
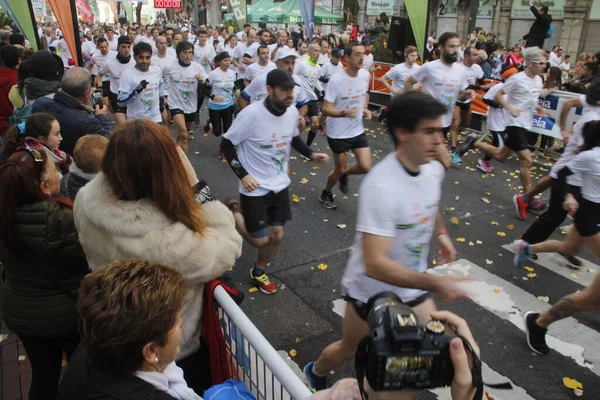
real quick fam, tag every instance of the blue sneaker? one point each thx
(315, 383)
(456, 158)
(521, 256)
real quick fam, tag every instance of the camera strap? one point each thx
(360, 365)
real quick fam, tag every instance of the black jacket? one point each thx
(70, 185)
(41, 281)
(75, 119)
(540, 27)
(83, 381)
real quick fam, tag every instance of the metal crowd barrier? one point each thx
(256, 362)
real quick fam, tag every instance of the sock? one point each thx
(312, 370)
(526, 250)
(311, 137)
(487, 158)
(256, 271)
(452, 148)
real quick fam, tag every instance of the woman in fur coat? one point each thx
(142, 206)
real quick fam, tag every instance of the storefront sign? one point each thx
(376, 7)
(521, 10)
(39, 7)
(448, 8)
(486, 9)
(595, 10)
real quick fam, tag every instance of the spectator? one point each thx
(565, 67)
(496, 60)
(4, 38)
(485, 64)
(87, 157)
(589, 75)
(513, 59)
(45, 72)
(539, 30)
(17, 92)
(428, 53)
(553, 82)
(17, 39)
(131, 328)
(556, 56)
(43, 265)
(70, 106)
(11, 57)
(489, 46)
(143, 207)
(581, 61)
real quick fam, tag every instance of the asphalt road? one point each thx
(300, 315)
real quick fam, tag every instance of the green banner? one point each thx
(238, 8)
(21, 12)
(417, 13)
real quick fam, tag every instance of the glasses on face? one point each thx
(542, 63)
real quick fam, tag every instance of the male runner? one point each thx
(162, 57)
(141, 87)
(181, 78)
(345, 104)
(309, 71)
(257, 147)
(115, 69)
(397, 217)
(332, 67)
(100, 57)
(244, 55)
(262, 66)
(398, 73)
(113, 40)
(204, 54)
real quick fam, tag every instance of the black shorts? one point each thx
(345, 145)
(114, 105)
(463, 106)
(516, 138)
(313, 109)
(587, 218)
(177, 111)
(261, 212)
(105, 88)
(363, 312)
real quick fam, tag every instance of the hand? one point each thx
(219, 99)
(301, 123)
(570, 204)
(320, 158)
(351, 113)
(141, 86)
(367, 114)
(249, 183)
(205, 58)
(446, 249)
(101, 110)
(449, 288)
(515, 112)
(241, 67)
(530, 3)
(199, 78)
(541, 111)
(566, 135)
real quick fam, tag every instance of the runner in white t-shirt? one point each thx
(446, 81)
(309, 72)
(245, 54)
(262, 66)
(332, 67)
(495, 123)
(183, 81)
(113, 40)
(141, 87)
(115, 69)
(204, 54)
(523, 91)
(398, 216)
(346, 104)
(400, 72)
(257, 148)
(100, 57)
(368, 60)
(221, 99)
(161, 59)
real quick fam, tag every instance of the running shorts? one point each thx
(516, 138)
(261, 212)
(587, 218)
(363, 311)
(345, 145)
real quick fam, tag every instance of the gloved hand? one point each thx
(141, 86)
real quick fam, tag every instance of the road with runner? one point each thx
(305, 314)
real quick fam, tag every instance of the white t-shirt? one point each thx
(242, 49)
(523, 94)
(257, 91)
(231, 51)
(328, 70)
(367, 62)
(572, 147)
(254, 70)
(496, 117)
(207, 51)
(115, 71)
(98, 60)
(223, 84)
(65, 53)
(263, 143)
(474, 73)
(162, 62)
(144, 105)
(394, 204)
(345, 92)
(87, 48)
(114, 44)
(323, 58)
(182, 85)
(444, 83)
(587, 164)
(171, 52)
(309, 78)
(398, 75)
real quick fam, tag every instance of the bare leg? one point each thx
(494, 152)
(443, 156)
(539, 187)
(569, 246)
(363, 162)
(266, 253)
(121, 118)
(525, 162)
(456, 118)
(182, 132)
(340, 162)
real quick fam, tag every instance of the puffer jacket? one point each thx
(41, 283)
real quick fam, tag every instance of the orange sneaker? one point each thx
(520, 206)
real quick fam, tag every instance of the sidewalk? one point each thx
(15, 373)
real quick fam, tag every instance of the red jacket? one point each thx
(8, 78)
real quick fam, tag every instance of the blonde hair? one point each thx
(88, 153)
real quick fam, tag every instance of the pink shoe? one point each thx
(484, 166)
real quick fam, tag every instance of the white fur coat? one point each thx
(110, 230)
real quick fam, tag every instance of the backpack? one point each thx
(550, 31)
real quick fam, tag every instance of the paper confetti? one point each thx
(485, 200)
(303, 180)
(460, 240)
(574, 276)
(532, 275)
(456, 182)
(545, 299)
(495, 223)
(479, 242)
(434, 262)
(454, 220)
(21, 358)
(488, 262)
(528, 269)
(501, 234)
(341, 226)
(293, 353)
(497, 290)
(253, 289)
(322, 267)
(295, 198)
(457, 198)
(572, 383)
(510, 227)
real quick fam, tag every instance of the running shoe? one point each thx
(344, 184)
(327, 200)
(207, 126)
(571, 259)
(520, 206)
(536, 335)
(467, 144)
(536, 205)
(484, 166)
(521, 255)
(262, 282)
(197, 119)
(315, 383)
(221, 156)
(456, 158)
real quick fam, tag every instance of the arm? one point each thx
(409, 83)
(504, 104)
(386, 84)
(228, 148)
(562, 120)
(301, 147)
(329, 110)
(243, 100)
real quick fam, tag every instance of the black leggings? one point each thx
(221, 120)
(45, 355)
(542, 228)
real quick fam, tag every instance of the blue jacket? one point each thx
(75, 119)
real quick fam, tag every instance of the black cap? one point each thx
(221, 56)
(337, 53)
(46, 66)
(280, 78)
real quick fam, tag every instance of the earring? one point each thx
(155, 359)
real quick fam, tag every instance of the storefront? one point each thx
(591, 39)
(522, 18)
(447, 16)
(485, 14)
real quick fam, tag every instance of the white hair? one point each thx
(533, 54)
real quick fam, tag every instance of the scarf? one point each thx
(170, 381)
(123, 60)
(36, 88)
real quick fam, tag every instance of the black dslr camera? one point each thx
(399, 354)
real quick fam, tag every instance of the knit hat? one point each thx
(46, 66)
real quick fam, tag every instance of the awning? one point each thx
(288, 12)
